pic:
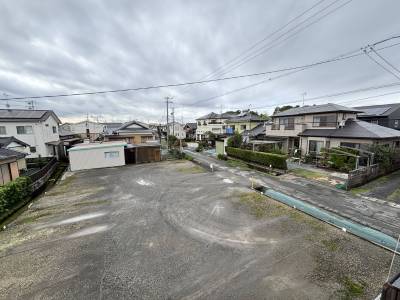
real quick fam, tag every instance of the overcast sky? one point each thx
(50, 47)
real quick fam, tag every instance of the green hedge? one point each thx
(13, 193)
(275, 160)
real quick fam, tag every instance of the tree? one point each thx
(283, 108)
(210, 136)
(172, 140)
(233, 112)
(236, 140)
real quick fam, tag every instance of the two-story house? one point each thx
(177, 129)
(85, 129)
(212, 122)
(311, 128)
(132, 132)
(37, 128)
(246, 120)
(387, 115)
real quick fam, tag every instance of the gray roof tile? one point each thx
(314, 109)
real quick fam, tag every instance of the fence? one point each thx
(40, 177)
(363, 175)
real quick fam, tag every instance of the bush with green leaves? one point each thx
(222, 156)
(12, 193)
(267, 159)
(339, 160)
(384, 156)
(235, 141)
(199, 148)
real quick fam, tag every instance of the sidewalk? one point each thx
(379, 216)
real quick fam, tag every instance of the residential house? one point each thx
(109, 128)
(177, 129)
(246, 120)
(13, 143)
(85, 129)
(212, 122)
(311, 128)
(190, 129)
(132, 132)
(11, 163)
(257, 132)
(37, 128)
(387, 115)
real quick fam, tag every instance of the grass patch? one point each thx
(192, 170)
(261, 206)
(237, 164)
(90, 203)
(32, 219)
(360, 190)
(307, 173)
(331, 245)
(395, 195)
(351, 289)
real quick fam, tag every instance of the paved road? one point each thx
(376, 214)
(170, 231)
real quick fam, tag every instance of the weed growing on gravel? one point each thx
(351, 289)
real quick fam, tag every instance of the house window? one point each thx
(324, 121)
(396, 124)
(111, 154)
(3, 130)
(287, 122)
(397, 144)
(24, 129)
(315, 146)
(242, 127)
(54, 129)
(32, 149)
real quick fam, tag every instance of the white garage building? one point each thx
(96, 155)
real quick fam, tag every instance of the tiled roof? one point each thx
(5, 141)
(314, 109)
(8, 154)
(355, 129)
(213, 115)
(378, 110)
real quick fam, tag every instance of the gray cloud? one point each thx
(52, 47)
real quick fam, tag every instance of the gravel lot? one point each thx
(171, 230)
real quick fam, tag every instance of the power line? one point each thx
(340, 57)
(380, 65)
(221, 67)
(197, 82)
(264, 39)
(255, 55)
(333, 95)
(384, 59)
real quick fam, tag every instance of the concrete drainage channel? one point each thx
(359, 230)
(364, 232)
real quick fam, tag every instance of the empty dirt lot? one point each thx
(171, 230)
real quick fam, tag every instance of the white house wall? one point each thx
(41, 135)
(94, 158)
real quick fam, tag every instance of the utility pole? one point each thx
(173, 121)
(168, 101)
(304, 94)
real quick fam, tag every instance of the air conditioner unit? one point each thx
(342, 123)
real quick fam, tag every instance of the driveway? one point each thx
(171, 230)
(380, 215)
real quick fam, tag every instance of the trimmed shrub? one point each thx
(14, 192)
(275, 160)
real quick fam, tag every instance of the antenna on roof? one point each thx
(304, 94)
